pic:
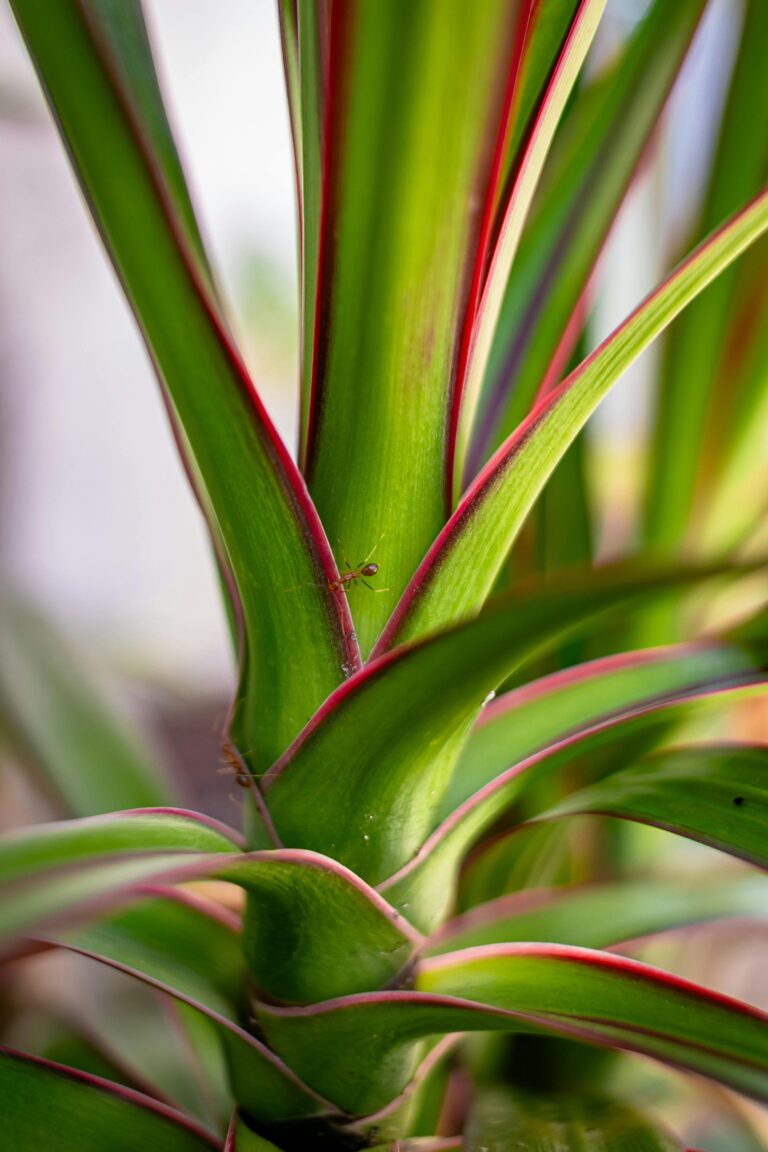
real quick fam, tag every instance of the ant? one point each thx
(232, 763)
(352, 574)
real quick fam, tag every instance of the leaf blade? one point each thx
(460, 568)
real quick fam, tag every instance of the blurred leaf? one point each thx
(240, 1138)
(259, 1080)
(598, 916)
(54, 715)
(595, 996)
(505, 1121)
(174, 938)
(48, 1106)
(526, 170)
(460, 568)
(717, 795)
(693, 369)
(61, 872)
(116, 134)
(586, 178)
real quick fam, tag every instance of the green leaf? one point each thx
(459, 571)
(54, 715)
(260, 1082)
(241, 1138)
(176, 938)
(586, 177)
(595, 996)
(79, 869)
(717, 795)
(427, 881)
(300, 904)
(546, 711)
(508, 229)
(696, 378)
(601, 915)
(415, 101)
(506, 1121)
(253, 492)
(48, 1106)
(383, 747)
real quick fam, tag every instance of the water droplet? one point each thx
(369, 816)
(489, 697)
(366, 838)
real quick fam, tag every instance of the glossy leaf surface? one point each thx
(524, 178)
(546, 711)
(296, 940)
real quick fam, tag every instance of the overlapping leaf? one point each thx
(583, 184)
(96, 67)
(525, 170)
(460, 568)
(425, 884)
(302, 903)
(594, 996)
(718, 795)
(383, 748)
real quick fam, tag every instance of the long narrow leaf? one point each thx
(586, 177)
(280, 558)
(261, 1082)
(46, 1105)
(601, 915)
(408, 149)
(515, 210)
(460, 568)
(697, 380)
(594, 996)
(718, 795)
(429, 877)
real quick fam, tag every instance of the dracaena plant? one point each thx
(427, 952)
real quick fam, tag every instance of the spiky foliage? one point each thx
(456, 181)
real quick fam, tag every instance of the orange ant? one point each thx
(352, 574)
(232, 763)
